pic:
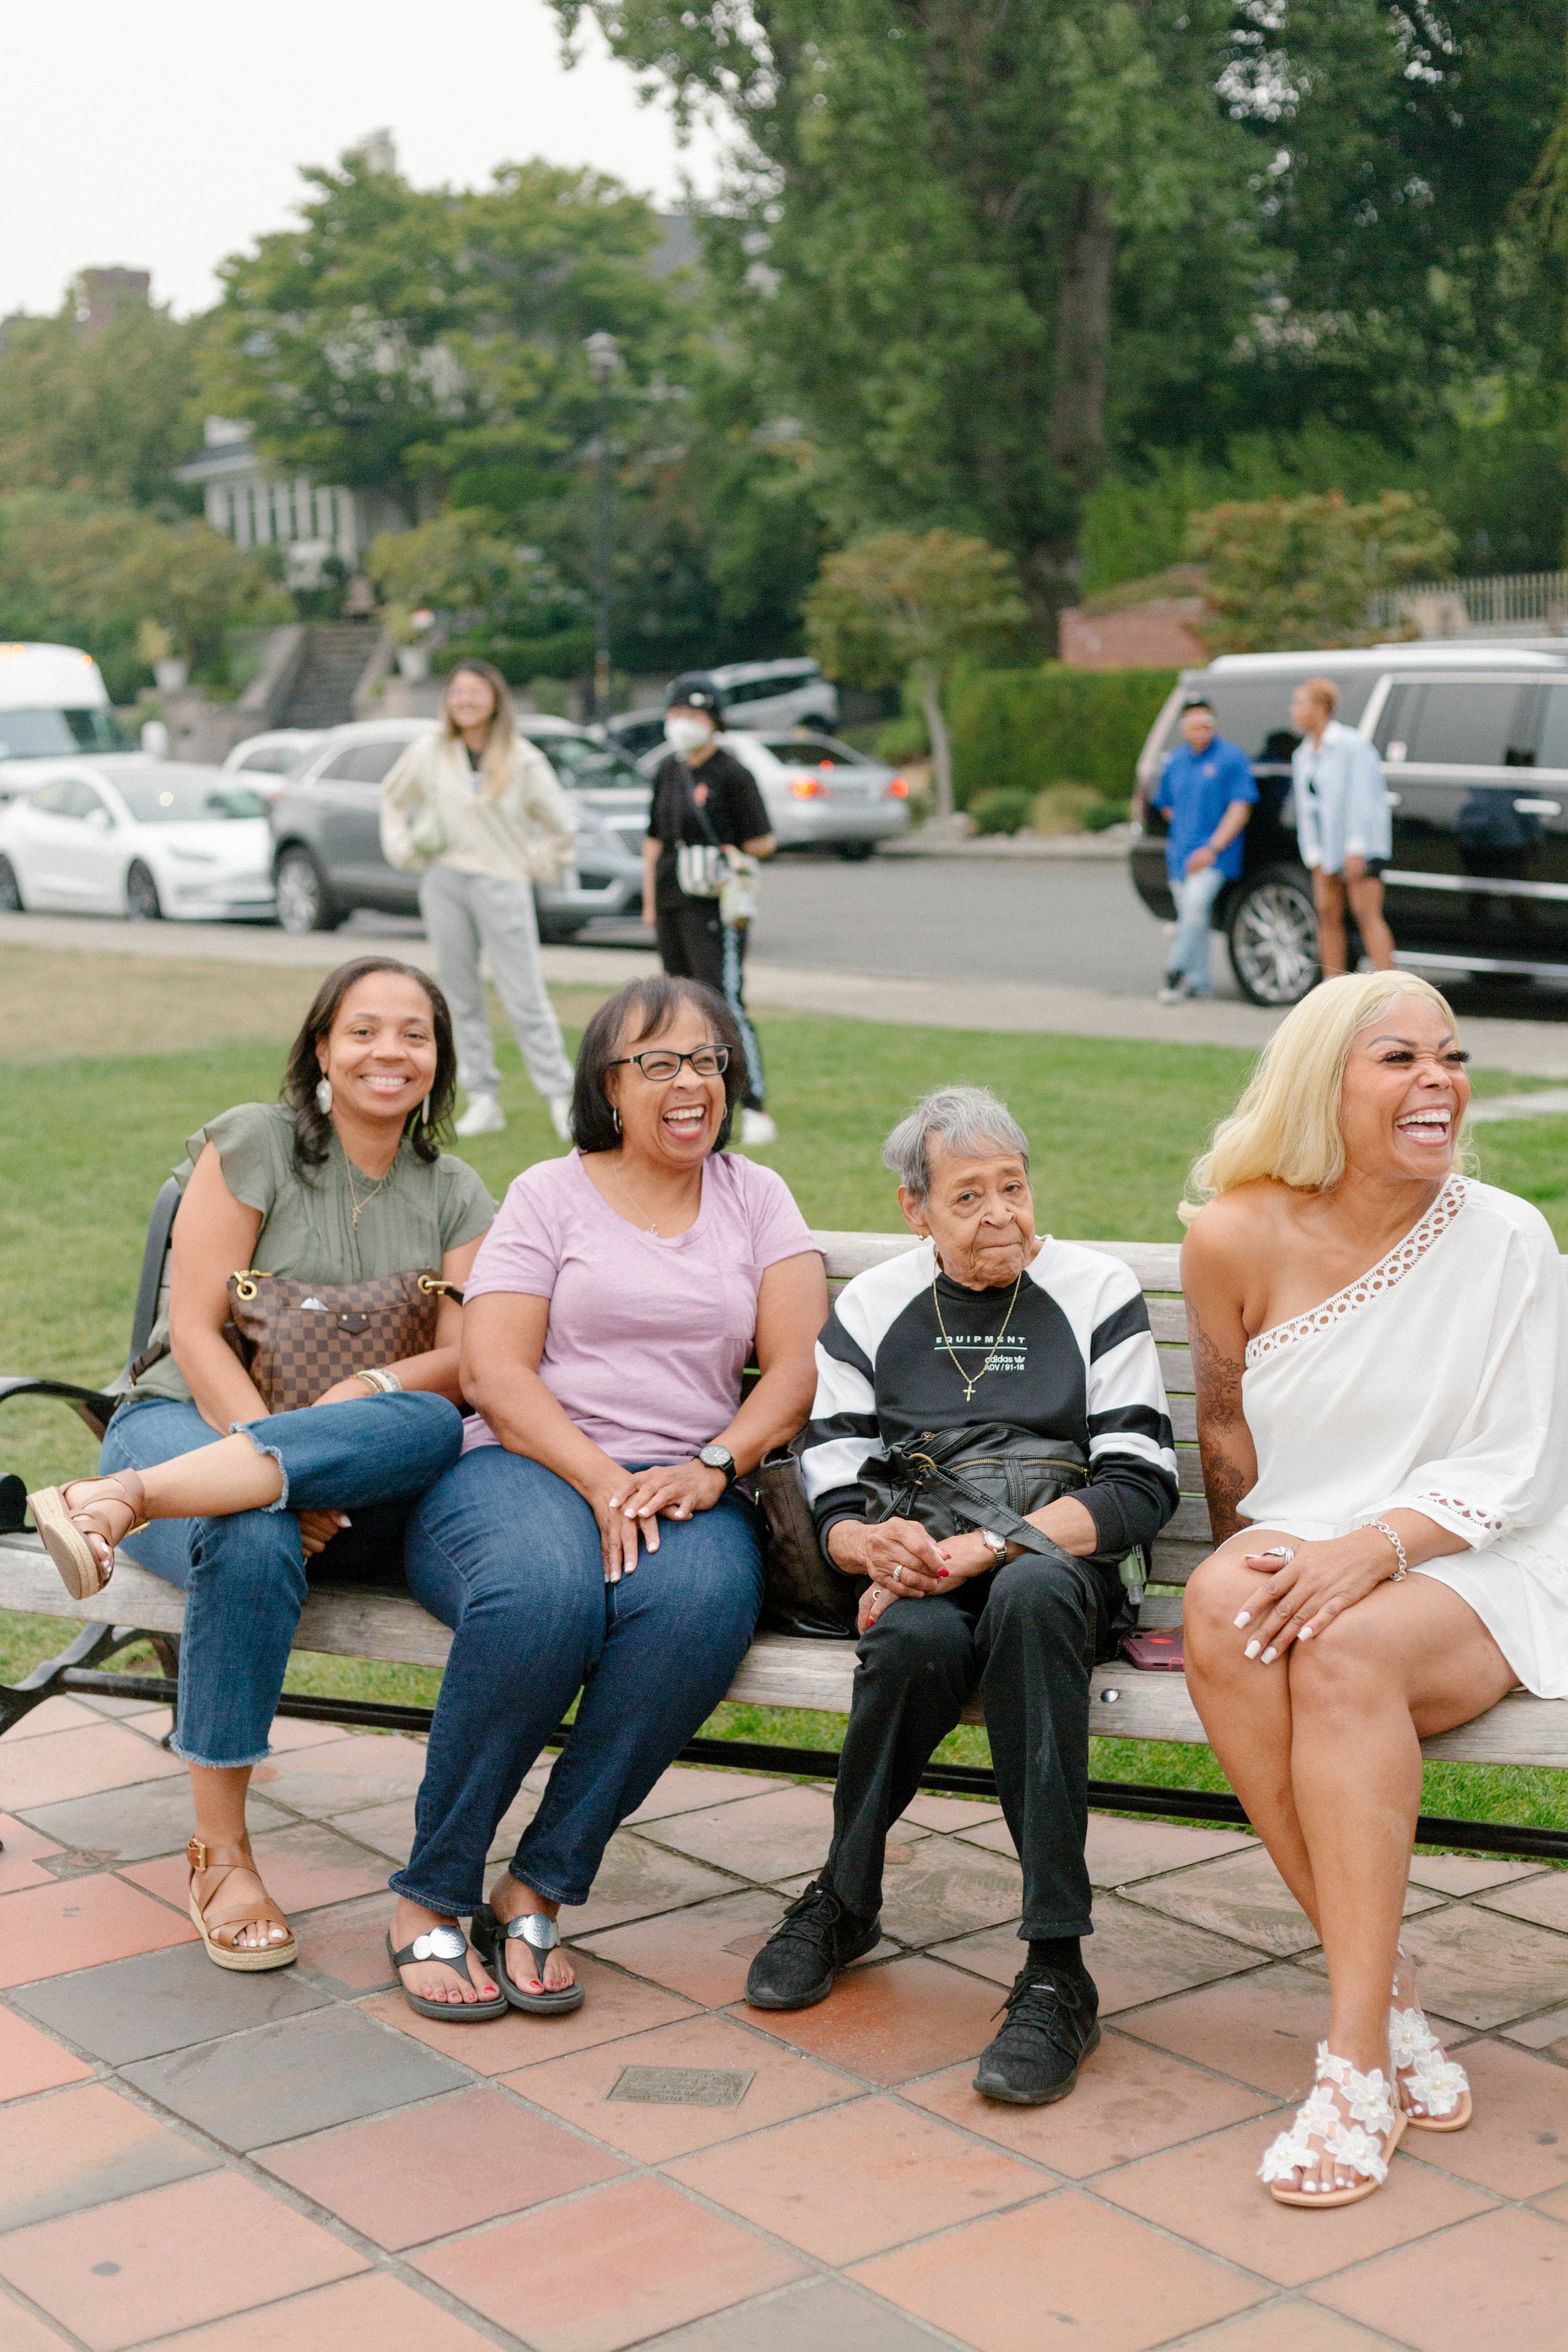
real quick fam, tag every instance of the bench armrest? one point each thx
(92, 1404)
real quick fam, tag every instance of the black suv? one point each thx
(1478, 882)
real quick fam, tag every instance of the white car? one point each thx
(137, 838)
(818, 792)
(268, 760)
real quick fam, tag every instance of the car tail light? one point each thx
(810, 788)
(895, 789)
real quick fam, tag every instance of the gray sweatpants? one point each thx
(465, 913)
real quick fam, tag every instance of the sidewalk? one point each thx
(1536, 1049)
(295, 2163)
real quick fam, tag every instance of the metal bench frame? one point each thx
(779, 1670)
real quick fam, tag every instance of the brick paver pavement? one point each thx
(296, 2163)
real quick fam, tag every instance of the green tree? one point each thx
(896, 606)
(1285, 573)
(109, 414)
(97, 576)
(931, 202)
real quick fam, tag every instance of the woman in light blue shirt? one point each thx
(1342, 826)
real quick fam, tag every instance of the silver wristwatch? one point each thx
(997, 1544)
(719, 1457)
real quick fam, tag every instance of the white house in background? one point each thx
(257, 507)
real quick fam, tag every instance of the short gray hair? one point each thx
(962, 1118)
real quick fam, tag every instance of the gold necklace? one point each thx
(970, 1385)
(354, 1196)
(637, 1206)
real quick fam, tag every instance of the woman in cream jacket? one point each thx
(477, 813)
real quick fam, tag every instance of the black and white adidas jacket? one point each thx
(1076, 1360)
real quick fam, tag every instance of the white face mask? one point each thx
(685, 734)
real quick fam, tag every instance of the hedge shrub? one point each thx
(1017, 730)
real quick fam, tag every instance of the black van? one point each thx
(1479, 878)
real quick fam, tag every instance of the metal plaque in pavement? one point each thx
(682, 2087)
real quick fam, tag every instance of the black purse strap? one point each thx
(985, 1512)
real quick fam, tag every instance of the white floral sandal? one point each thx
(1432, 2090)
(1364, 2145)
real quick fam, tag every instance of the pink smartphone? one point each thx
(1158, 1652)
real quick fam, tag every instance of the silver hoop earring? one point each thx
(614, 1119)
(425, 1112)
(324, 1096)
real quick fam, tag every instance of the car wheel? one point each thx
(1273, 938)
(142, 901)
(854, 852)
(304, 902)
(10, 889)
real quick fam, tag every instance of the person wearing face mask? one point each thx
(704, 801)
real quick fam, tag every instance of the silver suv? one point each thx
(326, 828)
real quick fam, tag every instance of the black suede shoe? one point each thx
(815, 1939)
(1053, 2024)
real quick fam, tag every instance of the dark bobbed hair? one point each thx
(652, 1006)
(313, 1126)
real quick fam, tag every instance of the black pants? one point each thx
(693, 944)
(1024, 1636)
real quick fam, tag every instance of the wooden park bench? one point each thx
(780, 1670)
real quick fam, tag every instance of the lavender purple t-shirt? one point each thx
(648, 1337)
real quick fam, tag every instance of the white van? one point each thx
(53, 702)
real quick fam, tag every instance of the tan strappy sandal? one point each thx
(80, 1538)
(218, 1935)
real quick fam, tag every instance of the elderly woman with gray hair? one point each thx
(987, 1358)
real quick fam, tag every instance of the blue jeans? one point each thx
(508, 1555)
(245, 1576)
(1195, 896)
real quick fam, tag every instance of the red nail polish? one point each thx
(941, 1571)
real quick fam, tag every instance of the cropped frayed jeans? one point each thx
(245, 1577)
(508, 1555)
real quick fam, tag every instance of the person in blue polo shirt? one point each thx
(1207, 793)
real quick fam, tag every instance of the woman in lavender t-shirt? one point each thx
(593, 1539)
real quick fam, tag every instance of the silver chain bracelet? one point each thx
(1403, 1570)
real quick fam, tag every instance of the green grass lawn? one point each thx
(86, 1138)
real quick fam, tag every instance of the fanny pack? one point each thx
(988, 1475)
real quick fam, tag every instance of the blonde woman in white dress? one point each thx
(1381, 1350)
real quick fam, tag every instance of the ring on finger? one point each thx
(898, 1576)
(1286, 1552)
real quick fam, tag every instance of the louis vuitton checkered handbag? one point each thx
(298, 1338)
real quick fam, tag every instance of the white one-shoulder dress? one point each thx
(1438, 1382)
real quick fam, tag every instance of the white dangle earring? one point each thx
(425, 1112)
(615, 1118)
(324, 1096)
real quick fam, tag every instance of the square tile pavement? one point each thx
(279, 2162)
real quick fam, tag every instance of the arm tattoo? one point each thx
(1222, 1429)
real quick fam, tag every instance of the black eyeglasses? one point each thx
(707, 1062)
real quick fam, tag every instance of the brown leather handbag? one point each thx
(297, 1339)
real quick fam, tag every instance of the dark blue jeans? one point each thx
(245, 1577)
(508, 1555)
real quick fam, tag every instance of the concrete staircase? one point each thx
(320, 692)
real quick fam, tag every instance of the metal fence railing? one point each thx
(1498, 606)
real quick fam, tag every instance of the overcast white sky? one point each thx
(165, 135)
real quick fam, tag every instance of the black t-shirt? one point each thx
(733, 808)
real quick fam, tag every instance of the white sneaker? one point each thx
(1172, 993)
(560, 1108)
(484, 1116)
(757, 1128)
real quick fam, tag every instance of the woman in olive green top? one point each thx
(338, 1183)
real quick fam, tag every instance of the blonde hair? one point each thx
(1286, 1124)
(496, 760)
(1322, 690)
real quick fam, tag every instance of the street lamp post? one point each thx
(604, 357)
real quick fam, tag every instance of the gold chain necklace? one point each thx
(970, 1385)
(637, 1206)
(354, 1196)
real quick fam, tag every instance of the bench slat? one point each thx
(1176, 1371)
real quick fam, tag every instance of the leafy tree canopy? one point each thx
(109, 414)
(1285, 573)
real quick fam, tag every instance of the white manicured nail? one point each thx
(1305, 1634)
(1252, 1648)
(1245, 1618)
(1269, 1656)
